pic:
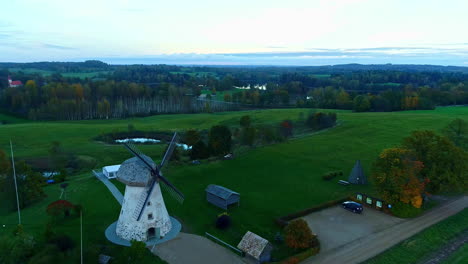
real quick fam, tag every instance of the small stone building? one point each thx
(255, 247)
(221, 196)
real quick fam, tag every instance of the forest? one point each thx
(64, 90)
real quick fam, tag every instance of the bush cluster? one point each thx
(332, 175)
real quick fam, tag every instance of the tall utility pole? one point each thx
(81, 234)
(16, 185)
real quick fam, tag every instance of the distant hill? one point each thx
(96, 65)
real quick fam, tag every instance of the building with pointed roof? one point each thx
(13, 84)
(357, 175)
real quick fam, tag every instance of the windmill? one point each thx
(144, 215)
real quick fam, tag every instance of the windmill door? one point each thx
(158, 233)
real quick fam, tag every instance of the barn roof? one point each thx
(16, 83)
(134, 172)
(253, 244)
(220, 191)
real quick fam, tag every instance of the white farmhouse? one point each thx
(110, 171)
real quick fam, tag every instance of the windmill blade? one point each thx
(168, 186)
(138, 154)
(169, 151)
(148, 194)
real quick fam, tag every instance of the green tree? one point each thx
(220, 140)
(17, 248)
(457, 132)
(445, 165)
(361, 103)
(191, 137)
(245, 121)
(199, 151)
(248, 135)
(30, 184)
(57, 156)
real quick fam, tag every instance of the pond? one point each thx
(149, 140)
(137, 140)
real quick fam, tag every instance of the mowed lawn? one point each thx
(273, 180)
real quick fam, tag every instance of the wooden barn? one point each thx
(221, 196)
(256, 247)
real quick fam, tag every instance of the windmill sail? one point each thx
(169, 151)
(168, 186)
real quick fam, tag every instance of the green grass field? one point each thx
(420, 246)
(273, 180)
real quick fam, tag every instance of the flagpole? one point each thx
(81, 234)
(16, 186)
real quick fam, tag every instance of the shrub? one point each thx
(298, 235)
(223, 221)
(63, 243)
(59, 207)
(332, 175)
(286, 128)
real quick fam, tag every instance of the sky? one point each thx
(241, 32)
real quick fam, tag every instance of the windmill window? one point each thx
(149, 203)
(150, 216)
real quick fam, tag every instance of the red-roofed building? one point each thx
(14, 83)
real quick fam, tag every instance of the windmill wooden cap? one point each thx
(133, 172)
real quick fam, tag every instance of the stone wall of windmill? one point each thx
(154, 215)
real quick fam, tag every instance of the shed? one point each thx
(256, 247)
(110, 171)
(221, 196)
(357, 175)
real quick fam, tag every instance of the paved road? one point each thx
(193, 249)
(374, 244)
(117, 194)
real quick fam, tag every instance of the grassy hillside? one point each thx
(273, 180)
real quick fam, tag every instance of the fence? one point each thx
(238, 251)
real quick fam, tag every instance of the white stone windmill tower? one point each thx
(144, 214)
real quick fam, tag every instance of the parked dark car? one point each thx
(352, 206)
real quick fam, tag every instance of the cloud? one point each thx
(59, 47)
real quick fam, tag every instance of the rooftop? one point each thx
(220, 191)
(134, 172)
(252, 244)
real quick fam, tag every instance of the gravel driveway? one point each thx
(336, 226)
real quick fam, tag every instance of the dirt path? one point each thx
(193, 249)
(372, 245)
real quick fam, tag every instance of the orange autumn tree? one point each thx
(397, 177)
(298, 235)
